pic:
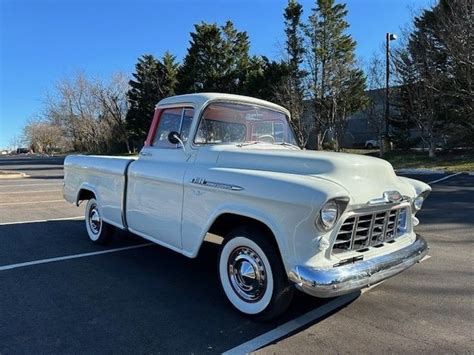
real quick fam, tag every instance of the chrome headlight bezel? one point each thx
(417, 202)
(330, 213)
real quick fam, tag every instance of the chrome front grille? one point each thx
(359, 231)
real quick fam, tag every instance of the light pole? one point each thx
(386, 142)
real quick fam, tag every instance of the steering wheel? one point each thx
(267, 138)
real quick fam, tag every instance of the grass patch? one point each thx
(449, 160)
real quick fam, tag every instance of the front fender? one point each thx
(417, 186)
(287, 204)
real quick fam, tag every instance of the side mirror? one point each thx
(174, 137)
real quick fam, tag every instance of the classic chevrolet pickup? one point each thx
(325, 223)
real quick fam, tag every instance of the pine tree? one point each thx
(291, 88)
(336, 84)
(264, 79)
(153, 81)
(168, 78)
(217, 60)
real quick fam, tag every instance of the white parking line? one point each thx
(292, 325)
(43, 220)
(29, 202)
(28, 192)
(68, 257)
(301, 321)
(443, 178)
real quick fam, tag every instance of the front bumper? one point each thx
(351, 277)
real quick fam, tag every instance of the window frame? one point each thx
(157, 120)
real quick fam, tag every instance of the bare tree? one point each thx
(374, 109)
(454, 33)
(284, 92)
(112, 96)
(44, 137)
(90, 112)
(434, 69)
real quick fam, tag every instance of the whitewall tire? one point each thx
(252, 275)
(98, 231)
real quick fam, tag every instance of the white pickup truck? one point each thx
(325, 223)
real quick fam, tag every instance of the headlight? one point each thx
(330, 212)
(328, 215)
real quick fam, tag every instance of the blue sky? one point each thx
(43, 41)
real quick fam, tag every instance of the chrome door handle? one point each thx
(145, 154)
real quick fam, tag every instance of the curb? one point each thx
(420, 171)
(430, 171)
(13, 175)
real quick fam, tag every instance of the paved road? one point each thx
(152, 300)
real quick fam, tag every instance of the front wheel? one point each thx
(252, 274)
(99, 232)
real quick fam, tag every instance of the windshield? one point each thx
(224, 123)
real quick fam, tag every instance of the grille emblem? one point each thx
(392, 196)
(387, 197)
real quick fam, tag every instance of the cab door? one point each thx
(155, 181)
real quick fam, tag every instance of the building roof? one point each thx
(200, 99)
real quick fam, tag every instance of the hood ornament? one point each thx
(387, 197)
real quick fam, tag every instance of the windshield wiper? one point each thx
(288, 144)
(240, 145)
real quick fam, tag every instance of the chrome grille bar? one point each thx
(368, 229)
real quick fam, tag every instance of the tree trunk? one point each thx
(319, 140)
(432, 151)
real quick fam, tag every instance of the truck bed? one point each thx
(105, 177)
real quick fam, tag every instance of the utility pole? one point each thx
(385, 147)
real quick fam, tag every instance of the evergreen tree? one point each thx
(294, 42)
(217, 60)
(153, 81)
(264, 79)
(336, 84)
(168, 76)
(143, 96)
(291, 88)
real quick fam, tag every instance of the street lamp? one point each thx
(388, 37)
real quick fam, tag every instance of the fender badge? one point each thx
(217, 185)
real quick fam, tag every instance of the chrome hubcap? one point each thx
(95, 221)
(247, 274)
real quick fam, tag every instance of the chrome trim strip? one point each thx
(217, 185)
(354, 232)
(371, 230)
(344, 279)
(123, 212)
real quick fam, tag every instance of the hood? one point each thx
(364, 177)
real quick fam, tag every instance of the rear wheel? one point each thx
(99, 232)
(252, 274)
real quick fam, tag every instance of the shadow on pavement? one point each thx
(143, 300)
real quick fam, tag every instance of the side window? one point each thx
(174, 119)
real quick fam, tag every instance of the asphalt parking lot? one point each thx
(61, 294)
